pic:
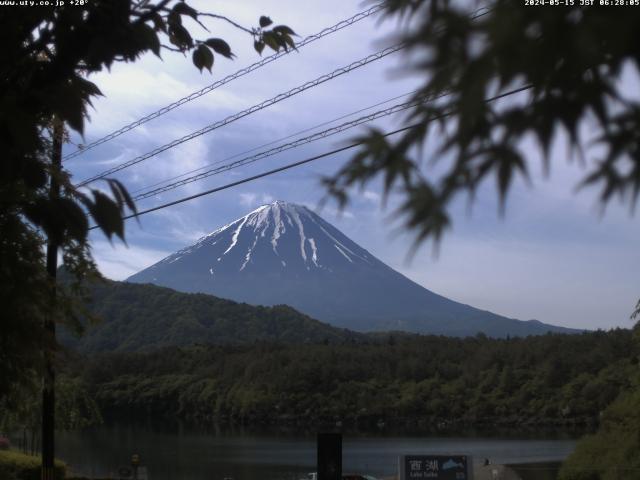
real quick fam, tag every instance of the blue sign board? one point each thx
(436, 467)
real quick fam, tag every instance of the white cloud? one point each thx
(187, 157)
(248, 199)
(181, 229)
(124, 155)
(252, 199)
(371, 196)
(119, 262)
(130, 91)
(327, 211)
(337, 213)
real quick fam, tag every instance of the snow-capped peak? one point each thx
(283, 253)
(279, 234)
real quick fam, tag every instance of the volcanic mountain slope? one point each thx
(284, 253)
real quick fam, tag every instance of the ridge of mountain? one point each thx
(283, 253)
(135, 317)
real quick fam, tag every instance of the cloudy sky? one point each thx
(553, 256)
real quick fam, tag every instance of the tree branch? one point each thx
(226, 19)
(201, 24)
(173, 49)
(148, 15)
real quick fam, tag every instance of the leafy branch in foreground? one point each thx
(573, 61)
(47, 58)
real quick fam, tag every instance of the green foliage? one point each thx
(23, 314)
(219, 46)
(47, 55)
(18, 466)
(276, 38)
(135, 316)
(75, 408)
(570, 60)
(22, 412)
(556, 379)
(613, 453)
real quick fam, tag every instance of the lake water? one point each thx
(189, 454)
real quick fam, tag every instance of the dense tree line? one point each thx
(559, 379)
(75, 409)
(132, 317)
(612, 452)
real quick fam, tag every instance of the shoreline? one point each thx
(375, 423)
(544, 470)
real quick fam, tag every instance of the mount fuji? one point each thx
(283, 253)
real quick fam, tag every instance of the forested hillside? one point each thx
(545, 379)
(136, 317)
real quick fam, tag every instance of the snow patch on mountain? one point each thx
(248, 255)
(276, 223)
(234, 238)
(314, 252)
(276, 227)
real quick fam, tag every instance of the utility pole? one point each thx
(329, 465)
(48, 383)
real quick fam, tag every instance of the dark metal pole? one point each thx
(48, 384)
(329, 465)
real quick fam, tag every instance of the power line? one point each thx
(255, 108)
(313, 83)
(284, 147)
(245, 180)
(305, 161)
(276, 150)
(240, 73)
(273, 142)
(479, 13)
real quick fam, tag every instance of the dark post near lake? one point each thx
(329, 456)
(48, 384)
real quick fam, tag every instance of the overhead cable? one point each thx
(240, 73)
(268, 144)
(479, 13)
(305, 161)
(255, 108)
(284, 147)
